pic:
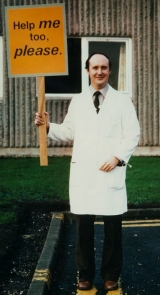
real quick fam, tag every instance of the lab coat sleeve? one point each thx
(64, 131)
(130, 132)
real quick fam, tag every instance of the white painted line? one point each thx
(137, 223)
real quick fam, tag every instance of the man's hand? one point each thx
(109, 165)
(39, 121)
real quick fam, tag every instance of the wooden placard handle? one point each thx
(42, 128)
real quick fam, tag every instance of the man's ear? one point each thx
(87, 72)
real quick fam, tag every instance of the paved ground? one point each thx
(141, 267)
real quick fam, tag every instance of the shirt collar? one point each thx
(103, 90)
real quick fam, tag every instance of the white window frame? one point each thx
(1, 67)
(85, 50)
(84, 55)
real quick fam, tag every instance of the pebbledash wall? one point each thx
(135, 19)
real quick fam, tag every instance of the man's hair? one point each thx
(88, 59)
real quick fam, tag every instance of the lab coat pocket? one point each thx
(114, 127)
(117, 177)
(74, 174)
(114, 120)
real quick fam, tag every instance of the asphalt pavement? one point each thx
(141, 260)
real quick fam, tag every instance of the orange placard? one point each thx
(36, 40)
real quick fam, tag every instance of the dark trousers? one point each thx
(112, 247)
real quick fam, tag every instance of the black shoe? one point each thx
(84, 285)
(110, 285)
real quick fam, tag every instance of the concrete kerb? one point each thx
(42, 278)
(140, 213)
(41, 281)
(148, 213)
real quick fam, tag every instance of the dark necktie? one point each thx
(96, 101)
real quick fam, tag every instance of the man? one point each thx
(103, 124)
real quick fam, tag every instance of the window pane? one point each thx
(116, 54)
(72, 82)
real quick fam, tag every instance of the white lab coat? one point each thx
(114, 131)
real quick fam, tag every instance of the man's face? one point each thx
(98, 71)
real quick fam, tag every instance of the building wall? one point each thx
(137, 19)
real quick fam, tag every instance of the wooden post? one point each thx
(42, 128)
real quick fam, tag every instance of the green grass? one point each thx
(7, 217)
(143, 180)
(23, 179)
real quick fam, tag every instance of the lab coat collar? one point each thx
(111, 98)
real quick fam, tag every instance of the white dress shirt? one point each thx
(101, 96)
